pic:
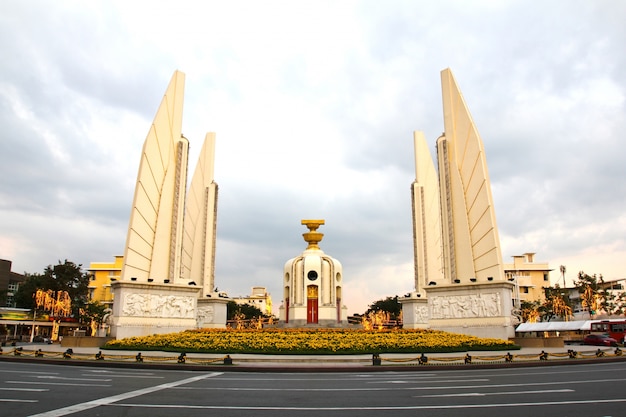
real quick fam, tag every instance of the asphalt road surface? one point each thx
(31, 389)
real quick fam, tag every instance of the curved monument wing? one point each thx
(426, 211)
(198, 255)
(156, 218)
(467, 197)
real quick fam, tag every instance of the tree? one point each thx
(591, 293)
(557, 304)
(243, 311)
(66, 276)
(24, 296)
(530, 311)
(94, 312)
(389, 305)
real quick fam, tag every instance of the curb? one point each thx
(320, 366)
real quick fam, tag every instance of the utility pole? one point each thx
(562, 268)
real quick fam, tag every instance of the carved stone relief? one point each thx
(421, 314)
(205, 314)
(466, 306)
(166, 306)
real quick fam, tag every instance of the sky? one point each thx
(314, 105)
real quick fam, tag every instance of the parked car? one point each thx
(599, 340)
(42, 339)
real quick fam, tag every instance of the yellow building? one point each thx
(102, 273)
(259, 298)
(529, 277)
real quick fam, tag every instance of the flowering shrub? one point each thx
(309, 341)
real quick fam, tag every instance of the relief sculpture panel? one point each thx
(466, 306)
(205, 314)
(166, 306)
(421, 314)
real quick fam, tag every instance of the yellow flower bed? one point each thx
(310, 341)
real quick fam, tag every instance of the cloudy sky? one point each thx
(314, 104)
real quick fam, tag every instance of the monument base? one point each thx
(475, 309)
(414, 311)
(326, 316)
(142, 309)
(212, 312)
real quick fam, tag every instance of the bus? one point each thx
(614, 328)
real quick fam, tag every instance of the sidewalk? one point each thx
(310, 362)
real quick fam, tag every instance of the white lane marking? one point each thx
(379, 408)
(28, 372)
(383, 375)
(111, 373)
(485, 394)
(127, 376)
(58, 384)
(25, 389)
(11, 400)
(110, 400)
(73, 379)
(428, 381)
(398, 388)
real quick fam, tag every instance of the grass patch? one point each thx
(310, 341)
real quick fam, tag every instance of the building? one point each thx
(9, 283)
(102, 274)
(615, 288)
(530, 278)
(259, 298)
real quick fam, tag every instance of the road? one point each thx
(584, 390)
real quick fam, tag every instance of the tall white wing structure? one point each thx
(201, 221)
(156, 222)
(470, 234)
(426, 217)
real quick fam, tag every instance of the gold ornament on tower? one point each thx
(312, 237)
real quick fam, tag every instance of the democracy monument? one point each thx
(167, 282)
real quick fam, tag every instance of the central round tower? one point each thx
(312, 285)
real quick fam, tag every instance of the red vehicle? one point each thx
(599, 340)
(614, 329)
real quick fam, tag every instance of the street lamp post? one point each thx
(32, 330)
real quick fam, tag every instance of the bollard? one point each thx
(228, 360)
(468, 358)
(376, 361)
(68, 354)
(38, 353)
(508, 357)
(182, 357)
(138, 358)
(99, 356)
(423, 360)
(543, 356)
(572, 353)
